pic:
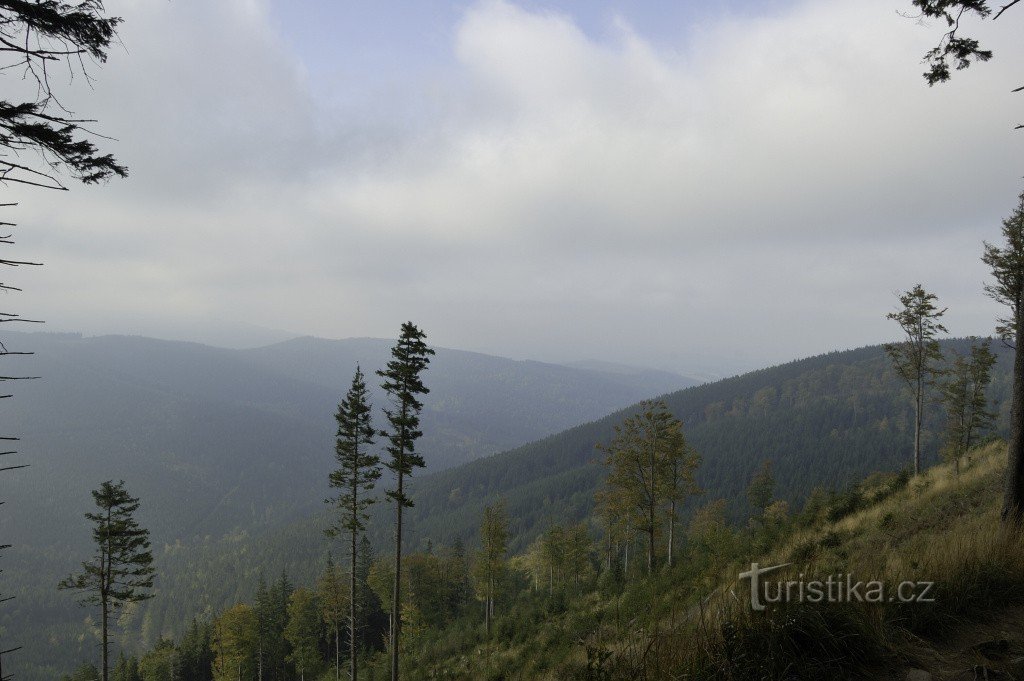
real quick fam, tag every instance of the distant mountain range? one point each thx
(221, 442)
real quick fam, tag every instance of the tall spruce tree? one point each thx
(121, 572)
(917, 357)
(410, 357)
(1007, 263)
(357, 472)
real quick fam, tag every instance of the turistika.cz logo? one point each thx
(837, 588)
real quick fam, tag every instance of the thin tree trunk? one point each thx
(650, 549)
(487, 609)
(337, 652)
(107, 570)
(671, 532)
(1013, 505)
(625, 561)
(917, 427)
(105, 650)
(352, 571)
(396, 612)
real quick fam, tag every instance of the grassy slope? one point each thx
(940, 527)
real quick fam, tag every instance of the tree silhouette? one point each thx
(410, 357)
(121, 572)
(953, 48)
(357, 472)
(1007, 263)
(916, 358)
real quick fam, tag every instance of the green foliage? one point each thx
(236, 639)
(126, 669)
(159, 663)
(195, 653)
(964, 396)
(762, 487)
(1007, 265)
(358, 469)
(410, 357)
(121, 573)
(86, 672)
(650, 469)
(271, 612)
(303, 632)
(834, 419)
(917, 357)
(333, 598)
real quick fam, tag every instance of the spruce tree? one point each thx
(357, 472)
(121, 572)
(1007, 263)
(195, 653)
(917, 357)
(410, 357)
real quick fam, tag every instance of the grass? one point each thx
(939, 527)
(695, 622)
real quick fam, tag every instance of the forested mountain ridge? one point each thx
(828, 420)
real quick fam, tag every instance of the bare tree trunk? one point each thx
(352, 578)
(650, 547)
(1013, 506)
(625, 561)
(396, 604)
(671, 532)
(106, 569)
(105, 642)
(487, 608)
(917, 427)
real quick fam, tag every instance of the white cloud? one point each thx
(752, 194)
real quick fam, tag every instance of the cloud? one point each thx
(752, 193)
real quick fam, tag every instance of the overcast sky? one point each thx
(707, 189)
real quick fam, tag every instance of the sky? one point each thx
(700, 187)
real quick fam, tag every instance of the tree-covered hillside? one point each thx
(827, 420)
